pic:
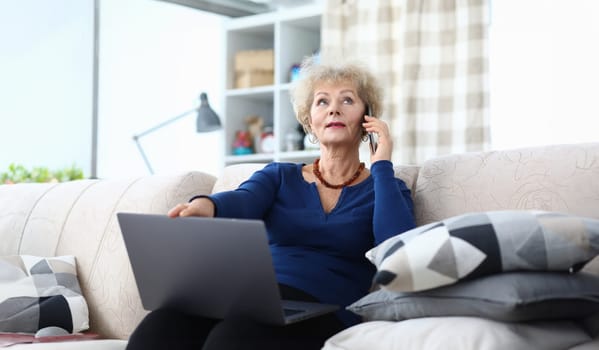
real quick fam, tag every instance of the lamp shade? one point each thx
(207, 118)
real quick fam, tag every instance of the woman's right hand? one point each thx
(198, 207)
(385, 142)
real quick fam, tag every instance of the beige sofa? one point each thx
(79, 218)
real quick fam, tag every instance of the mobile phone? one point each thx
(372, 137)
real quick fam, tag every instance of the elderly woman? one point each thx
(321, 218)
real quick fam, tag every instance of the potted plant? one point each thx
(17, 173)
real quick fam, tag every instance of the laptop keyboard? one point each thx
(290, 312)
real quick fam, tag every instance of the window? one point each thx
(543, 72)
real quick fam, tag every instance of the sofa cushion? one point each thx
(512, 297)
(464, 333)
(478, 244)
(38, 292)
(100, 344)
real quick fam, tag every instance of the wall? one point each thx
(155, 60)
(45, 83)
(544, 72)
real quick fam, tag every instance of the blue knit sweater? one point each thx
(314, 251)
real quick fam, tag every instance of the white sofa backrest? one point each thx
(562, 178)
(233, 175)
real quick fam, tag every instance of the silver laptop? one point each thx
(212, 267)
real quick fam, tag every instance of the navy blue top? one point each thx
(314, 251)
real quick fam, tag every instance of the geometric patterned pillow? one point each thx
(484, 243)
(38, 292)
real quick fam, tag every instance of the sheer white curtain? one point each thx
(432, 59)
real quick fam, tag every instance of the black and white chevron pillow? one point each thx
(38, 292)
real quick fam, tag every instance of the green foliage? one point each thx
(17, 173)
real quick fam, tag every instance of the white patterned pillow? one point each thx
(479, 244)
(37, 292)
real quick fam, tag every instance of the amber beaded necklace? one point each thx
(318, 175)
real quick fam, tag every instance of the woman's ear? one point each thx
(308, 126)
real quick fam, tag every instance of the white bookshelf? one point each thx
(292, 33)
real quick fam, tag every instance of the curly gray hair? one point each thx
(313, 73)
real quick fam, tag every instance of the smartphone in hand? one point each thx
(372, 137)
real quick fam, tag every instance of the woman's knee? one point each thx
(164, 328)
(250, 335)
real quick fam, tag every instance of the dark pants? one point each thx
(169, 329)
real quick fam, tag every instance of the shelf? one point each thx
(285, 87)
(306, 156)
(250, 158)
(292, 34)
(258, 93)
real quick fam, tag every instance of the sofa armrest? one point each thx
(79, 218)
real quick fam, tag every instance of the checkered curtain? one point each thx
(431, 57)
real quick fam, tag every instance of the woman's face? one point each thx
(336, 114)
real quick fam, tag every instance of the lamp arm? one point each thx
(136, 137)
(164, 123)
(143, 154)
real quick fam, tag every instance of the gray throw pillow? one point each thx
(37, 292)
(480, 244)
(510, 296)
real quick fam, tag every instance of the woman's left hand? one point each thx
(385, 143)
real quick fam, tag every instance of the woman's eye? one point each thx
(321, 102)
(348, 101)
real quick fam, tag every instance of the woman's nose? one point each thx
(333, 109)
